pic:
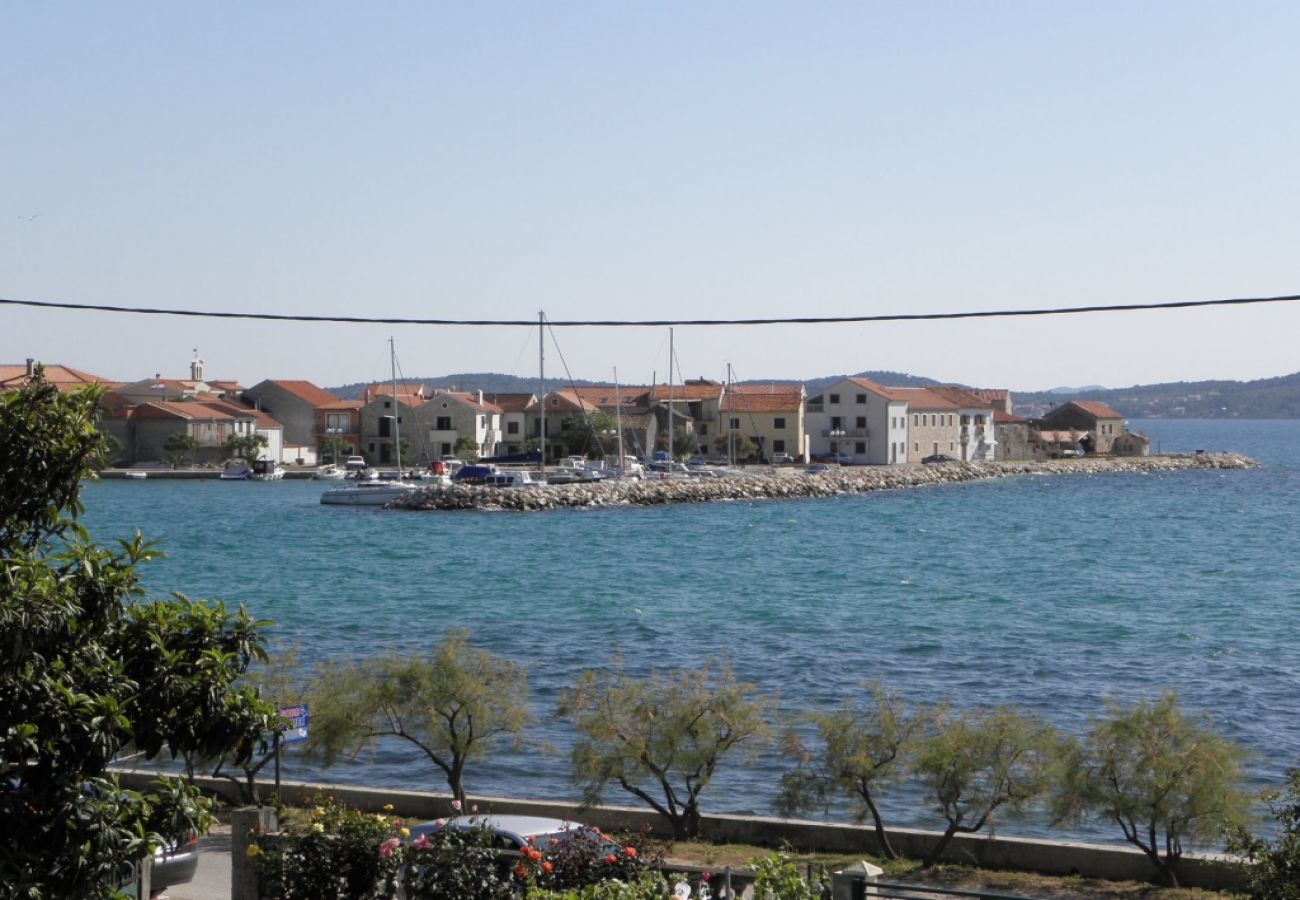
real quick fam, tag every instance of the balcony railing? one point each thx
(844, 432)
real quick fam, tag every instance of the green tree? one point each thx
(88, 671)
(979, 763)
(454, 704)
(333, 446)
(180, 448)
(660, 738)
(746, 449)
(583, 435)
(1167, 779)
(861, 750)
(466, 449)
(247, 447)
(1273, 872)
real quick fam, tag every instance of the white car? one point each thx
(781, 458)
(355, 463)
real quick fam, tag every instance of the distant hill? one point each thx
(1265, 398)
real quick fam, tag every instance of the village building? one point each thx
(856, 420)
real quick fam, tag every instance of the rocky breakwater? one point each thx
(779, 484)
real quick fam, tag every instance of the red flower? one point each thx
(520, 871)
(629, 852)
(532, 854)
(547, 867)
(611, 859)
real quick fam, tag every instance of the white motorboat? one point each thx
(237, 471)
(329, 473)
(366, 493)
(266, 470)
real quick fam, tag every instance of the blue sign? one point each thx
(294, 726)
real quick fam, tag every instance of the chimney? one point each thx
(31, 367)
(480, 398)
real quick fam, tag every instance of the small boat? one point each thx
(266, 470)
(329, 473)
(237, 471)
(376, 492)
(366, 493)
(136, 473)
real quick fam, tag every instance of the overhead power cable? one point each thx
(646, 323)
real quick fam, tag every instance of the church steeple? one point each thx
(196, 367)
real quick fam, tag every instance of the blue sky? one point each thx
(601, 160)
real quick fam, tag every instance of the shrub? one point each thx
(1275, 870)
(337, 853)
(458, 863)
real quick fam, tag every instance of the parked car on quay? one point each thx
(355, 463)
(779, 459)
(938, 458)
(818, 469)
(842, 459)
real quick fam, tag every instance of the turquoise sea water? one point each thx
(1052, 593)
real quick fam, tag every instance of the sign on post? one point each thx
(294, 728)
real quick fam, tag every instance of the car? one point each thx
(937, 458)
(842, 459)
(779, 459)
(517, 832)
(697, 460)
(173, 864)
(818, 469)
(355, 463)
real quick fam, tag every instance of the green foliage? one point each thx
(745, 447)
(1274, 869)
(861, 750)
(1167, 779)
(777, 878)
(180, 449)
(278, 680)
(466, 450)
(646, 886)
(454, 704)
(458, 863)
(981, 763)
(583, 435)
(86, 671)
(660, 738)
(336, 855)
(247, 447)
(332, 447)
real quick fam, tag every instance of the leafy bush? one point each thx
(586, 857)
(776, 877)
(338, 853)
(645, 886)
(1275, 870)
(458, 863)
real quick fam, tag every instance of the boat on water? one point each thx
(266, 470)
(136, 474)
(376, 492)
(329, 473)
(237, 471)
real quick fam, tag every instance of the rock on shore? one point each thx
(777, 484)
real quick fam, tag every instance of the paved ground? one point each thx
(212, 880)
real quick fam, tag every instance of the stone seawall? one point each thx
(784, 484)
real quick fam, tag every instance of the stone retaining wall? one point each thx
(778, 484)
(1113, 862)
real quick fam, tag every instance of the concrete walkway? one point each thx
(212, 880)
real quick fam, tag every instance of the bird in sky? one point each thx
(31, 218)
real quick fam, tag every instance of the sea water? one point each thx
(1052, 593)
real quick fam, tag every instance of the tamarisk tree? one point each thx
(660, 737)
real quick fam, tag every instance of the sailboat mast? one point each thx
(541, 382)
(731, 416)
(670, 399)
(397, 416)
(618, 419)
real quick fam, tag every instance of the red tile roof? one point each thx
(878, 390)
(923, 398)
(1096, 409)
(511, 403)
(1002, 418)
(62, 377)
(306, 391)
(753, 401)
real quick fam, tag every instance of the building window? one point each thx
(916, 420)
(735, 423)
(835, 398)
(442, 423)
(778, 446)
(704, 429)
(778, 423)
(512, 428)
(862, 422)
(482, 421)
(916, 446)
(860, 448)
(862, 399)
(950, 446)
